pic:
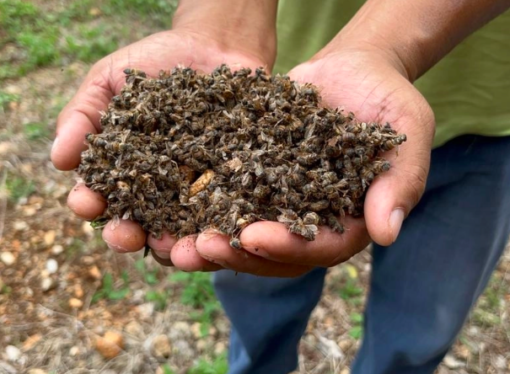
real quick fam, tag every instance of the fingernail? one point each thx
(395, 222)
(54, 144)
(162, 255)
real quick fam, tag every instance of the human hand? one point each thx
(199, 50)
(372, 85)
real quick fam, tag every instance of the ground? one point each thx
(65, 299)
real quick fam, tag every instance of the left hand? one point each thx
(374, 87)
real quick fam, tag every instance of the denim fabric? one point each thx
(422, 286)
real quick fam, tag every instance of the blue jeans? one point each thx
(422, 287)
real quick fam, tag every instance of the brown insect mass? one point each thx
(186, 151)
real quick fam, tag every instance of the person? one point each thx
(437, 237)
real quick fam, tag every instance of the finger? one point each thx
(125, 236)
(86, 203)
(185, 257)
(80, 117)
(216, 247)
(394, 193)
(273, 241)
(160, 248)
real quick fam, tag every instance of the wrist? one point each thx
(415, 35)
(366, 52)
(244, 26)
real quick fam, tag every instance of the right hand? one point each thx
(161, 51)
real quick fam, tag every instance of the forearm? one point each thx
(246, 25)
(416, 33)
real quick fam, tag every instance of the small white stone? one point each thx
(7, 258)
(87, 229)
(146, 310)
(52, 266)
(57, 249)
(452, 363)
(500, 362)
(13, 353)
(20, 225)
(47, 284)
(74, 351)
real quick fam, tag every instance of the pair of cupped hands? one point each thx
(364, 80)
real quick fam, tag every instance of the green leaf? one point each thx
(180, 276)
(107, 282)
(356, 318)
(356, 332)
(118, 294)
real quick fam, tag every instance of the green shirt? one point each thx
(469, 89)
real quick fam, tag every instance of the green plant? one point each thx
(14, 16)
(351, 292)
(159, 298)
(166, 369)
(109, 291)
(199, 294)
(18, 187)
(219, 365)
(149, 276)
(356, 330)
(36, 130)
(6, 98)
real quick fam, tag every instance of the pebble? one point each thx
(330, 346)
(183, 349)
(6, 368)
(31, 341)
(344, 344)
(87, 229)
(110, 345)
(49, 237)
(29, 211)
(133, 328)
(74, 351)
(47, 284)
(219, 348)
(201, 345)
(499, 362)
(75, 303)
(146, 310)
(36, 371)
(161, 347)
(13, 353)
(6, 148)
(78, 291)
(87, 260)
(452, 363)
(20, 225)
(180, 330)
(7, 258)
(94, 272)
(52, 266)
(195, 329)
(57, 249)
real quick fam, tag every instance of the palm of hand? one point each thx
(161, 51)
(375, 91)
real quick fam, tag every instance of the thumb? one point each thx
(395, 193)
(80, 117)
